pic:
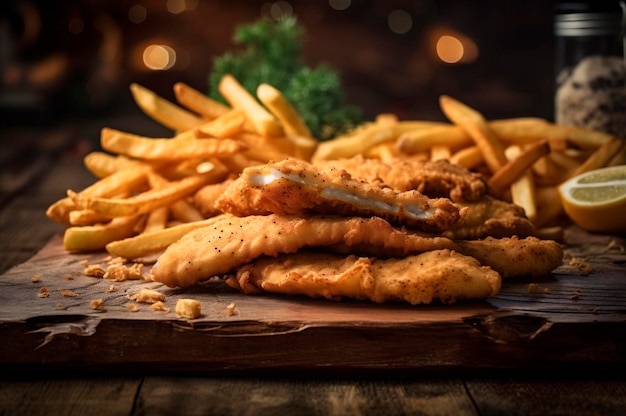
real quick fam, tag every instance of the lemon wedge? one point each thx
(596, 200)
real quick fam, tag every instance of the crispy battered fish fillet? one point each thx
(205, 198)
(293, 186)
(485, 215)
(491, 217)
(436, 179)
(515, 257)
(232, 241)
(438, 275)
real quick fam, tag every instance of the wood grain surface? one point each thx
(69, 382)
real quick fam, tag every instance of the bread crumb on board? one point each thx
(43, 292)
(148, 296)
(537, 288)
(188, 308)
(231, 309)
(97, 304)
(159, 307)
(36, 278)
(68, 293)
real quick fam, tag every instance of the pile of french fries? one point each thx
(144, 199)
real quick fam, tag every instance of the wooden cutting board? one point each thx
(565, 319)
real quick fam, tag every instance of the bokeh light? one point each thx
(399, 22)
(159, 57)
(137, 14)
(339, 4)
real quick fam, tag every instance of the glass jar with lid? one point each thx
(590, 65)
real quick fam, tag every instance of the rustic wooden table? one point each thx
(560, 352)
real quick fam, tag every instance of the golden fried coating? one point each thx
(294, 187)
(435, 179)
(491, 217)
(205, 198)
(515, 257)
(232, 241)
(439, 275)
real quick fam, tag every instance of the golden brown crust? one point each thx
(439, 275)
(295, 187)
(232, 241)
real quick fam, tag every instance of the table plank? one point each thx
(86, 395)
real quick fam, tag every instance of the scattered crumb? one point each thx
(43, 292)
(84, 262)
(148, 296)
(583, 266)
(59, 305)
(188, 308)
(36, 278)
(132, 307)
(96, 304)
(576, 294)
(615, 247)
(68, 293)
(112, 289)
(230, 309)
(159, 306)
(536, 288)
(94, 270)
(69, 276)
(121, 272)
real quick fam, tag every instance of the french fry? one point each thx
(163, 111)
(276, 102)
(515, 168)
(388, 119)
(96, 237)
(601, 156)
(238, 97)
(468, 157)
(303, 147)
(523, 189)
(125, 180)
(265, 149)
(146, 201)
(227, 125)
(156, 220)
(419, 140)
(166, 149)
(146, 244)
(384, 151)
(476, 127)
(103, 164)
(181, 209)
(357, 142)
(549, 205)
(87, 217)
(439, 152)
(198, 102)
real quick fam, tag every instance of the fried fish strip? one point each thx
(294, 186)
(491, 217)
(516, 257)
(440, 275)
(233, 241)
(432, 178)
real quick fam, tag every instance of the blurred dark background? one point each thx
(72, 61)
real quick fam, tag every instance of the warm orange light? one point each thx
(449, 49)
(159, 57)
(452, 47)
